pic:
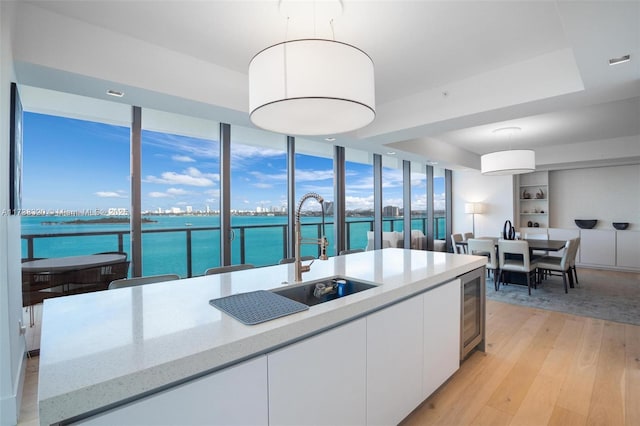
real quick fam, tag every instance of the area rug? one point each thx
(608, 295)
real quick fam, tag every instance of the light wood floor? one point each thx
(540, 368)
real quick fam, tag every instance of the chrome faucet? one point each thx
(322, 242)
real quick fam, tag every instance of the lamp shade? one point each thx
(512, 162)
(311, 87)
(473, 208)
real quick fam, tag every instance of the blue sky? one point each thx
(80, 165)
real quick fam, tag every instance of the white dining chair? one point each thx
(485, 247)
(522, 263)
(455, 239)
(562, 265)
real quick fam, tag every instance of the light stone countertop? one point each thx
(101, 348)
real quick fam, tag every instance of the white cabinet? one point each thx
(597, 247)
(441, 335)
(394, 361)
(628, 249)
(233, 396)
(320, 380)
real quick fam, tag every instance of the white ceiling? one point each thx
(447, 72)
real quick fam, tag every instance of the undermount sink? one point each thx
(335, 287)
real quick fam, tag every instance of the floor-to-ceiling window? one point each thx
(75, 181)
(180, 194)
(314, 174)
(358, 197)
(418, 197)
(258, 196)
(392, 196)
(439, 204)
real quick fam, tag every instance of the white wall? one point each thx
(494, 192)
(13, 346)
(604, 193)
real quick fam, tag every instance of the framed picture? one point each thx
(15, 152)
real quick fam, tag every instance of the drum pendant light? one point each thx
(311, 87)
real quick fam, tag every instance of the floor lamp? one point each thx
(473, 209)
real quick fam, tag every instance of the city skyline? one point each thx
(83, 165)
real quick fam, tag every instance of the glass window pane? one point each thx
(439, 204)
(392, 197)
(180, 194)
(258, 196)
(419, 197)
(358, 197)
(75, 184)
(314, 173)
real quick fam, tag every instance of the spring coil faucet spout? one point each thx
(322, 242)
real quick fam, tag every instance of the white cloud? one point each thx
(313, 175)
(183, 159)
(263, 185)
(177, 191)
(359, 203)
(191, 177)
(110, 194)
(158, 195)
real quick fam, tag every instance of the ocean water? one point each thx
(164, 241)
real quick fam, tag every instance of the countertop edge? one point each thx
(110, 393)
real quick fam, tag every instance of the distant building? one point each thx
(189, 209)
(391, 211)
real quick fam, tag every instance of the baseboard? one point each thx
(11, 404)
(608, 268)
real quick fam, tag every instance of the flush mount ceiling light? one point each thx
(511, 162)
(311, 86)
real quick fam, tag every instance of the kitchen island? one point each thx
(133, 352)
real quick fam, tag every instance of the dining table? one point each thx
(61, 276)
(534, 244)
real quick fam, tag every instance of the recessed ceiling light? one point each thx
(620, 60)
(115, 93)
(330, 139)
(391, 153)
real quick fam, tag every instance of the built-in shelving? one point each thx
(533, 200)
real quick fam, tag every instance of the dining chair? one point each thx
(293, 259)
(572, 259)
(455, 239)
(484, 247)
(228, 268)
(560, 265)
(149, 279)
(468, 235)
(343, 252)
(514, 256)
(537, 236)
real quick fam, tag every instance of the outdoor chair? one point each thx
(293, 259)
(228, 268)
(343, 252)
(150, 279)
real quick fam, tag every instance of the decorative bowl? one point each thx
(586, 223)
(621, 225)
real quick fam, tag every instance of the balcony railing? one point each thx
(258, 244)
